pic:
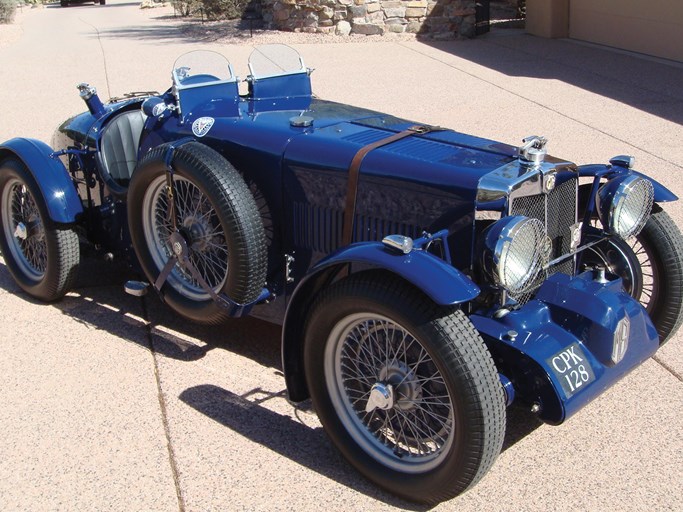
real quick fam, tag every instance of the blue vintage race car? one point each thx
(424, 278)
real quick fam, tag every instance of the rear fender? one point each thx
(439, 281)
(53, 180)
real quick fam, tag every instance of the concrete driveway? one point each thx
(108, 402)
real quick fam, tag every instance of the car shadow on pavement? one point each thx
(100, 302)
(284, 435)
(308, 446)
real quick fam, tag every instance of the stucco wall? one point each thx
(654, 27)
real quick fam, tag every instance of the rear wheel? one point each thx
(42, 258)
(217, 219)
(406, 390)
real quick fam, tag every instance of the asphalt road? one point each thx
(110, 402)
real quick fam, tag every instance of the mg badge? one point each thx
(621, 336)
(575, 231)
(550, 181)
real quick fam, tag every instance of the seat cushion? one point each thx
(119, 144)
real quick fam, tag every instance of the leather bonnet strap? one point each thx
(354, 174)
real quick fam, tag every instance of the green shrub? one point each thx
(224, 9)
(185, 7)
(7, 10)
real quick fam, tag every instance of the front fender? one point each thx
(441, 282)
(662, 194)
(53, 180)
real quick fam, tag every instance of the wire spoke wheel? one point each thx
(651, 267)
(217, 228)
(406, 389)
(199, 223)
(42, 257)
(23, 229)
(390, 395)
(649, 277)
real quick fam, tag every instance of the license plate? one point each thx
(572, 369)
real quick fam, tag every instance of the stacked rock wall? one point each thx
(438, 19)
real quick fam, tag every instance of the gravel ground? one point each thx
(237, 31)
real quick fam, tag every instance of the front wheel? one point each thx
(42, 258)
(659, 249)
(406, 390)
(651, 266)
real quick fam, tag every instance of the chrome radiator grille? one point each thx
(557, 210)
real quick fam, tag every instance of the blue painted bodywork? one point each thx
(567, 311)
(662, 194)
(298, 173)
(421, 268)
(57, 188)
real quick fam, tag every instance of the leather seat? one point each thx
(119, 145)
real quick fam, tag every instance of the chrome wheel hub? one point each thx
(406, 385)
(198, 232)
(21, 232)
(381, 396)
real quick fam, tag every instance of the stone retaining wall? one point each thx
(438, 19)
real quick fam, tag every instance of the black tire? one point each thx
(442, 377)
(220, 221)
(64, 3)
(651, 265)
(42, 257)
(103, 2)
(659, 249)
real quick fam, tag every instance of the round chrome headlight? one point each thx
(624, 205)
(516, 250)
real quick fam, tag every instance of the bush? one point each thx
(184, 7)
(7, 10)
(224, 9)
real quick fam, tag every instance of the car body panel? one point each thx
(53, 180)
(576, 316)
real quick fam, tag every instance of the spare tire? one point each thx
(218, 218)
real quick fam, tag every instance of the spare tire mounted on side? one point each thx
(217, 217)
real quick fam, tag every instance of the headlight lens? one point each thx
(624, 205)
(516, 250)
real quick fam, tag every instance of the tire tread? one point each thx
(464, 351)
(230, 196)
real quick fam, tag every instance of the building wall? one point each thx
(654, 27)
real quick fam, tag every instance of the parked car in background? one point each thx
(66, 3)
